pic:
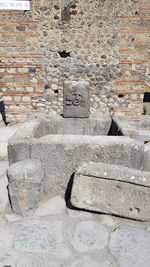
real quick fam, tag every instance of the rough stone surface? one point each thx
(89, 262)
(3, 186)
(76, 99)
(61, 155)
(131, 246)
(36, 261)
(112, 189)
(44, 237)
(138, 129)
(147, 157)
(56, 205)
(89, 235)
(18, 148)
(25, 185)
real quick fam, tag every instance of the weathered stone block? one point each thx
(25, 185)
(76, 102)
(19, 143)
(147, 157)
(112, 189)
(62, 154)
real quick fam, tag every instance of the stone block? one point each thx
(76, 99)
(112, 189)
(147, 157)
(62, 154)
(25, 185)
(19, 143)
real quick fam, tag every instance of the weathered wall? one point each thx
(107, 43)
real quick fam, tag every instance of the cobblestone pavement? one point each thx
(54, 236)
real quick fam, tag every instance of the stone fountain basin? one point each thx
(63, 144)
(138, 129)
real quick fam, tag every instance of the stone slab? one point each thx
(62, 154)
(76, 99)
(112, 189)
(130, 246)
(41, 237)
(90, 236)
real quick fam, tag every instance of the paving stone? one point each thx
(89, 235)
(56, 205)
(85, 262)
(36, 261)
(131, 247)
(6, 237)
(79, 214)
(41, 236)
(8, 259)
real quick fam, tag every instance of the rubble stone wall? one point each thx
(103, 42)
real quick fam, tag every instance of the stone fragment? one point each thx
(131, 246)
(76, 98)
(112, 189)
(41, 237)
(56, 205)
(25, 185)
(89, 236)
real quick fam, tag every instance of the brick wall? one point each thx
(105, 42)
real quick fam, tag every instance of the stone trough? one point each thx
(63, 144)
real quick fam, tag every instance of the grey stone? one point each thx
(12, 218)
(8, 259)
(138, 129)
(147, 157)
(56, 124)
(62, 154)
(36, 261)
(76, 98)
(3, 186)
(112, 189)
(84, 262)
(89, 236)
(41, 237)
(25, 185)
(131, 247)
(19, 143)
(56, 205)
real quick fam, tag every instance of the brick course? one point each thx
(107, 44)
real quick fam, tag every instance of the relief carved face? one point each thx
(75, 99)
